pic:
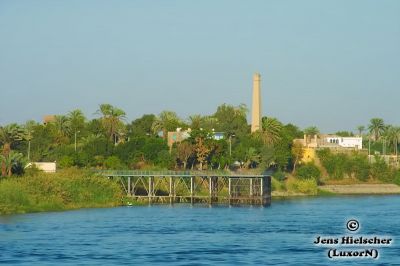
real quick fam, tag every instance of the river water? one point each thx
(281, 234)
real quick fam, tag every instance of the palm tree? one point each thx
(9, 135)
(360, 130)
(91, 138)
(311, 131)
(166, 121)
(209, 122)
(76, 119)
(241, 110)
(112, 120)
(392, 134)
(195, 121)
(206, 122)
(77, 122)
(13, 159)
(396, 140)
(63, 125)
(271, 130)
(251, 157)
(28, 132)
(376, 127)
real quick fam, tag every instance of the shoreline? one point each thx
(343, 190)
(323, 191)
(275, 196)
(362, 189)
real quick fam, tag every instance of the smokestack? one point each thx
(256, 107)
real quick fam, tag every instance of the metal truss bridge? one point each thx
(210, 187)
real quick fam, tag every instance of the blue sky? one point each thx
(332, 64)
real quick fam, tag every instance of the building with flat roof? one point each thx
(49, 119)
(331, 141)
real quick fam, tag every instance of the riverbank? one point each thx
(353, 189)
(64, 190)
(74, 189)
(362, 189)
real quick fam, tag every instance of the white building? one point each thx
(46, 167)
(346, 142)
(180, 135)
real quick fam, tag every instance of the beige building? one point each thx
(337, 143)
(49, 119)
(177, 136)
(331, 141)
(46, 167)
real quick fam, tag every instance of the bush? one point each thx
(358, 167)
(165, 160)
(68, 189)
(113, 162)
(66, 161)
(397, 178)
(305, 186)
(339, 165)
(308, 171)
(279, 175)
(276, 185)
(380, 170)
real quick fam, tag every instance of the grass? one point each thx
(322, 192)
(304, 186)
(69, 189)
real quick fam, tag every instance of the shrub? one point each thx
(66, 161)
(67, 189)
(164, 160)
(330, 163)
(276, 185)
(308, 171)
(358, 166)
(397, 178)
(113, 162)
(306, 186)
(380, 170)
(279, 175)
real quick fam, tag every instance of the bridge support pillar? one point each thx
(151, 188)
(171, 190)
(191, 189)
(213, 182)
(265, 190)
(230, 190)
(129, 186)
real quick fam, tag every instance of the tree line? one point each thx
(110, 142)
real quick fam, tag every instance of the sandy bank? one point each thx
(287, 194)
(363, 189)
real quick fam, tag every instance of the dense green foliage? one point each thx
(305, 186)
(307, 171)
(52, 192)
(356, 165)
(109, 142)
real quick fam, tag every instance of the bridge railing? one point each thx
(172, 173)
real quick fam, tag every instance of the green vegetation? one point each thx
(305, 186)
(54, 192)
(356, 166)
(308, 171)
(110, 142)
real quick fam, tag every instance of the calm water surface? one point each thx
(282, 234)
